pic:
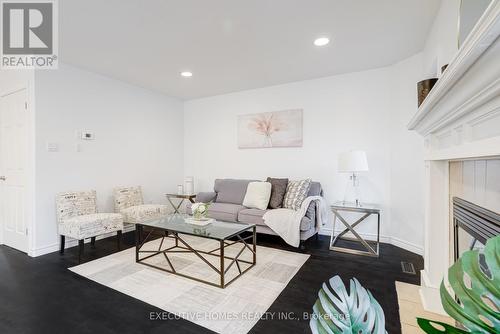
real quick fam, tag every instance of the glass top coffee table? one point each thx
(209, 244)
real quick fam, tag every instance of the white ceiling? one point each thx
(233, 45)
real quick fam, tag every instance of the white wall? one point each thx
(11, 80)
(442, 41)
(407, 164)
(352, 111)
(138, 141)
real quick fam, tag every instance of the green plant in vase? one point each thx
(475, 280)
(200, 210)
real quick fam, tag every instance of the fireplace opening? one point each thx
(474, 204)
(473, 225)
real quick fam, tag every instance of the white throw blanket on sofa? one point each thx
(286, 222)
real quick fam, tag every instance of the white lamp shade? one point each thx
(353, 161)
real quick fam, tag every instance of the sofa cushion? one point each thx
(231, 190)
(254, 216)
(315, 189)
(251, 216)
(278, 191)
(141, 213)
(75, 203)
(296, 193)
(92, 225)
(306, 224)
(206, 197)
(257, 196)
(224, 211)
(311, 211)
(127, 197)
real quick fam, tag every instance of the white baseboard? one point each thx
(70, 243)
(44, 250)
(385, 239)
(430, 295)
(409, 246)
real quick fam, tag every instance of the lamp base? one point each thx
(352, 192)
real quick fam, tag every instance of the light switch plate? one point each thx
(52, 147)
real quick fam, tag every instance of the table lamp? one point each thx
(353, 162)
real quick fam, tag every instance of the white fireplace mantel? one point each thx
(463, 105)
(459, 120)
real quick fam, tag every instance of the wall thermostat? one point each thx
(87, 135)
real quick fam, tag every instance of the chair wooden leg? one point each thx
(63, 239)
(80, 250)
(139, 233)
(92, 242)
(119, 239)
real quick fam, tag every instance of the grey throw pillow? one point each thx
(296, 193)
(278, 190)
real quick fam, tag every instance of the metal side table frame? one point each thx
(366, 210)
(182, 199)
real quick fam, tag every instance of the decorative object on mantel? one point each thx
(353, 162)
(270, 129)
(424, 88)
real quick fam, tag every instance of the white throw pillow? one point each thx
(258, 195)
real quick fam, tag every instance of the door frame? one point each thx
(26, 83)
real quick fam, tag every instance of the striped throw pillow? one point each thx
(296, 193)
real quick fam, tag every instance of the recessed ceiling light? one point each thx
(187, 74)
(321, 41)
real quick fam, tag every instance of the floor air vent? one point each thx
(408, 268)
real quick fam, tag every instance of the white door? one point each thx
(13, 159)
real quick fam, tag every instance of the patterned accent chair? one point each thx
(130, 203)
(78, 218)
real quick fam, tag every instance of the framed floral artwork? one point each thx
(270, 129)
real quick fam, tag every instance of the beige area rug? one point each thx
(235, 309)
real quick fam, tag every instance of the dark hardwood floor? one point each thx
(39, 295)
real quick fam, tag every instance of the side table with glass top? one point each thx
(369, 248)
(182, 198)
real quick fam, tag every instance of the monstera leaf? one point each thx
(337, 311)
(477, 290)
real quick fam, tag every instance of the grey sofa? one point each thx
(226, 205)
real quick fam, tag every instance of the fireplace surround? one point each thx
(459, 121)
